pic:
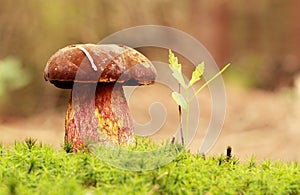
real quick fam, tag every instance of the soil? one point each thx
(259, 123)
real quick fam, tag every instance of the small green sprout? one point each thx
(1, 149)
(30, 142)
(185, 101)
(68, 147)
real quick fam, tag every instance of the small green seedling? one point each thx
(68, 147)
(1, 149)
(30, 142)
(185, 101)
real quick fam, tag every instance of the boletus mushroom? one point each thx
(97, 109)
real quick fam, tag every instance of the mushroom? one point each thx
(97, 109)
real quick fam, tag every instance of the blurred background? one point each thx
(261, 39)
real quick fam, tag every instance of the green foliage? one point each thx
(68, 147)
(12, 75)
(143, 155)
(30, 142)
(43, 170)
(180, 100)
(196, 75)
(185, 101)
(176, 69)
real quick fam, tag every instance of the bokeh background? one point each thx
(261, 39)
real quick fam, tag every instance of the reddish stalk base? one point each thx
(98, 115)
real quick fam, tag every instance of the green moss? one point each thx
(43, 170)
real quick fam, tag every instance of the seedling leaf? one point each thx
(176, 69)
(209, 81)
(198, 72)
(179, 99)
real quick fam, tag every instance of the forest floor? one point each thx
(259, 123)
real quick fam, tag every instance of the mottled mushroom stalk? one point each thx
(98, 111)
(99, 117)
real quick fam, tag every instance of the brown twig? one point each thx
(180, 118)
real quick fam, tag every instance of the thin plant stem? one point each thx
(187, 113)
(209, 81)
(180, 118)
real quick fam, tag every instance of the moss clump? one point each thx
(43, 170)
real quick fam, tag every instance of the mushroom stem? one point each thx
(98, 114)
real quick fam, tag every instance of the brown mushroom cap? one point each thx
(98, 63)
